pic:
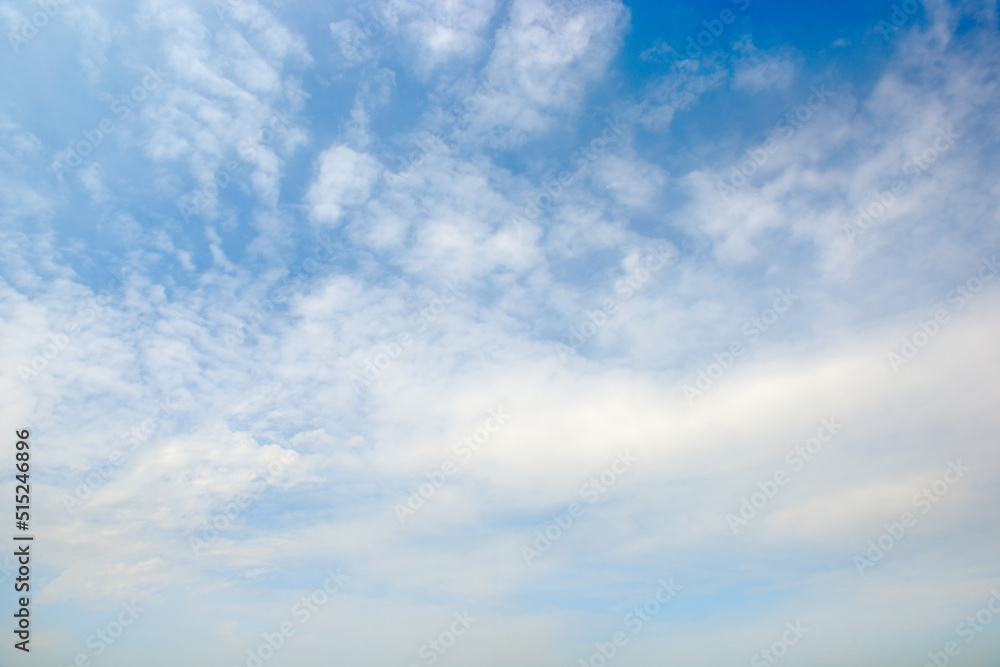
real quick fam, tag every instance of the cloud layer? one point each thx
(367, 319)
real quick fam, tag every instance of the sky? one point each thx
(534, 332)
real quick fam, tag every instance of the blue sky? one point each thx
(390, 291)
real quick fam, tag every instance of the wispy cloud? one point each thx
(437, 324)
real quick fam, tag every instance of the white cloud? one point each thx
(633, 181)
(260, 372)
(221, 94)
(678, 90)
(90, 176)
(757, 70)
(445, 31)
(543, 62)
(344, 178)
